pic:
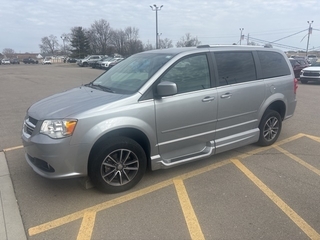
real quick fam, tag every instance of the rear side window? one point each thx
(235, 67)
(273, 64)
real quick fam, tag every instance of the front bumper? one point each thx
(55, 158)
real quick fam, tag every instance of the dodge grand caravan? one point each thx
(160, 109)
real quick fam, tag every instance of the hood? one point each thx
(71, 102)
(312, 69)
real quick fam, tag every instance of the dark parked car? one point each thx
(15, 61)
(30, 60)
(298, 65)
(97, 64)
(71, 60)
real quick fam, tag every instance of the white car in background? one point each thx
(46, 61)
(311, 73)
(105, 64)
(5, 61)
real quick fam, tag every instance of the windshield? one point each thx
(316, 64)
(129, 75)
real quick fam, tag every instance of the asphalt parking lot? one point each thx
(247, 193)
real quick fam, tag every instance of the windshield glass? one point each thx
(129, 75)
(316, 64)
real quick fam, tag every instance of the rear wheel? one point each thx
(270, 128)
(118, 166)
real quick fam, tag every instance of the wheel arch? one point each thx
(278, 106)
(131, 133)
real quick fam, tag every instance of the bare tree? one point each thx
(49, 44)
(148, 47)
(165, 43)
(118, 40)
(188, 41)
(126, 42)
(8, 51)
(99, 36)
(133, 44)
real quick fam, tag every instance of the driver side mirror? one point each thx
(167, 88)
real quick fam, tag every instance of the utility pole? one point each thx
(241, 29)
(64, 44)
(156, 9)
(309, 32)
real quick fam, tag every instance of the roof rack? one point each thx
(225, 45)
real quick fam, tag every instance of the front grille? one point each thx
(29, 125)
(312, 74)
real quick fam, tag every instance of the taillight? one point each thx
(295, 85)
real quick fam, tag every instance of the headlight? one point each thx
(58, 128)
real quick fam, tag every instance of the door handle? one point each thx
(226, 95)
(208, 99)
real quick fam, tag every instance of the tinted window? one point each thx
(190, 74)
(235, 67)
(273, 64)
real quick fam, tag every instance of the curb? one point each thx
(11, 226)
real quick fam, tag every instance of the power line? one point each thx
(277, 44)
(289, 36)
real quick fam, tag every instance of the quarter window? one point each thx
(190, 74)
(235, 67)
(273, 64)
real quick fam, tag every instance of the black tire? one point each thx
(270, 128)
(120, 165)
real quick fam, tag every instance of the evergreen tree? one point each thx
(79, 43)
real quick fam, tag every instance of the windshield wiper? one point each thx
(98, 86)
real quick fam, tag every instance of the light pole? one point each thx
(241, 29)
(309, 32)
(156, 9)
(64, 44)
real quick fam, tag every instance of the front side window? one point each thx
(129, 75)
(273, 64)
(190, 74)
(235, 67)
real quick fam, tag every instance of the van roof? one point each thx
(200, 48)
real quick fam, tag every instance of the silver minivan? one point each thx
(160, 109)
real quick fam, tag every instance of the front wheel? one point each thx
(270, 128)
(118, 166)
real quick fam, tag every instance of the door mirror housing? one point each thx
(167, 88)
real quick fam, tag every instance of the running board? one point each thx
(158, 163)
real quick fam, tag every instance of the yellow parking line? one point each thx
(303, 225)
(262, 149)
(13, 148)
(77, 215)
(313, 137)
(188, 212)
(87, 226)
(102, 206)
(297, 159)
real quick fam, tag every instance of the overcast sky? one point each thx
(24, 22)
